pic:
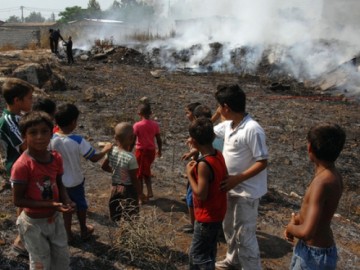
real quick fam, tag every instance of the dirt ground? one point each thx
(107, 92)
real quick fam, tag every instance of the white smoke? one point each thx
(304, 37)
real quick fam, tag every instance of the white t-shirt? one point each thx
(72, 147)
(243, 146)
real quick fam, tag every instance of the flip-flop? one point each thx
(20, 251)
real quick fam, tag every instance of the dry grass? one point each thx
(7, 47)
(146, 241)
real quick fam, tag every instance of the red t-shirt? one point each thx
(145, 131)
(40, 179)
(213, 209)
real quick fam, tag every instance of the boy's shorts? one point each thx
(307, 257)
(77, 195)
(189, 197)
(144, 158)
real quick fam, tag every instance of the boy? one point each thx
(37, 188)
(146, 130)
(126, 190)
(316, 247)
(205, 176)
(71, 148)
(69, 53)
(18, 97)
(245, 155)
(193, 153)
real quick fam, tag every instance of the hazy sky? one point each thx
(45, 7)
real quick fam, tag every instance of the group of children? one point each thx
(43, 164)
(226, 181)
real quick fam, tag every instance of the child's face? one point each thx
(38, 137)
(25, 104)
(189, 115)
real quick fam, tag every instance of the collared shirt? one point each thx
(244, 145)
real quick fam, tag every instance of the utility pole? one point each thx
(22, 13)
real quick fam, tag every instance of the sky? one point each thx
(45, 7)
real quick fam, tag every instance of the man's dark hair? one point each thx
(15, 88)
(145, 109)
(44, 105)
(326, 141)
(191, 107)
(231, 95)
(202, 131)
(202, 111)
(66, 114)
(34, 118)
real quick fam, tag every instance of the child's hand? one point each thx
(107, 147)
(190, 167)
(64, 208)
(288, 236)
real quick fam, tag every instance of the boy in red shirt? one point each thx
(146, 132)
(205, 176)
(38, 189)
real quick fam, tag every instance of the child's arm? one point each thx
(106, 166)
(159, 144)
(192, 153)
(201, 187)
(233, 180)
(310, 221)
(20, 200)
(68, 205)
(97, 156)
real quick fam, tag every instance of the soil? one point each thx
(108, 91)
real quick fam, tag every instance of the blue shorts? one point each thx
(308, 257)
(77, 195)
(189, 197)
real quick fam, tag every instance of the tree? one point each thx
(35, 17)
(115, 5)
(72, 14)
(94, 5)
(13, 19)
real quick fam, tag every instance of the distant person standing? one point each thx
(69, 53)
(56, 36)
(51, 40)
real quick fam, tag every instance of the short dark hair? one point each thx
(145, 109)
(191, 107)
(45, 105)
(202, 111)
(66, 114)
(231, 95)
(15, 88)
(34, 118)
(326, 141)
(202, 131)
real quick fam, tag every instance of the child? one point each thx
(245, 153)
(316, 247)
(18, 97)
(45, 105)
(71, 148)
(193, 153)
(146, 131)
(38, 189)
(205, 176)
(122, 164)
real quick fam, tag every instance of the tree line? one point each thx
(125, 10)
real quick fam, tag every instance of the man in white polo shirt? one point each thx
(246, 155)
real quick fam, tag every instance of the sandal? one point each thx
(89, 231)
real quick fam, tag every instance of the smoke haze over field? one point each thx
(305, 38)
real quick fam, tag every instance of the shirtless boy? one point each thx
(316, 247)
